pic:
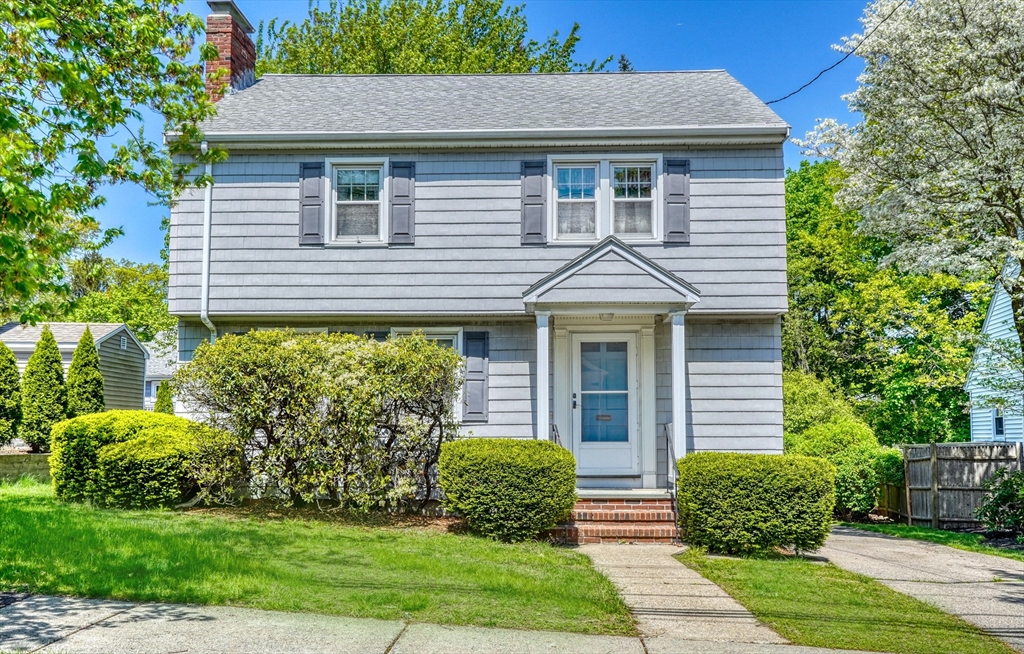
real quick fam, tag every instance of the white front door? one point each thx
(603, 404)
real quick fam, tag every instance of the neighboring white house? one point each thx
(987, 423)
(122, 356)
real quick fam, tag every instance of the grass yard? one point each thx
(820, 605)
(314, 565)
(959, 540)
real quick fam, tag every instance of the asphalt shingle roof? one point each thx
(63, 332)
(438, 103)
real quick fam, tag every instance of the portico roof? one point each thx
(612, 275)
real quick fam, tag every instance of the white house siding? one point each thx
(998, 325)
(467, 257)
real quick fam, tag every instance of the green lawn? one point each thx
(820, 605)
(959, 540)
(314, 565)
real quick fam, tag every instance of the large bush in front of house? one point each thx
(808, 401)
(748, 503)
(321, 417)
(10, 395)
(85, 381)
(862, 464)
(1002, 507)
(124, 459)
(508, 489)
(44, 400)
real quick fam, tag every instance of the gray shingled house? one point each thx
(619, 237)
(122, 356)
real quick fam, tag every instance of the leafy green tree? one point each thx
(414, 36)
(164, 399)
(44, 399)
(75, 76)
(10, 395)
(893, 341)
(85, 381)
(132, 293)
(934, 163)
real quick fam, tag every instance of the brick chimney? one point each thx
(229, 30)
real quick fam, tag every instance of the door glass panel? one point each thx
(604, 392)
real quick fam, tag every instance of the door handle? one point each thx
(574, 400)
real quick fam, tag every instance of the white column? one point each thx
(678, 322)
(543, 375)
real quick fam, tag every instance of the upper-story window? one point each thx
(607, 195)
(577, 201)
(358, 208)
(632, 201)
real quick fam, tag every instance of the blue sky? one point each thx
(771, 47)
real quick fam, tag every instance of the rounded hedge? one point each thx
(125, 459)
(509, 490)
(748, 503)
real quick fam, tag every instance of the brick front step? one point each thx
(619, 520)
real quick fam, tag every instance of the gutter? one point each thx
(204, 308)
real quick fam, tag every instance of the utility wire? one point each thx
(845, 57)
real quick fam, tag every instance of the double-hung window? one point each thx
(998, 424)
(576, 213)
(607, 195)
(359, 208)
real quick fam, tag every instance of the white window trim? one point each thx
(604, 164)
(383, 222)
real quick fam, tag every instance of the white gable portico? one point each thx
(596, 318)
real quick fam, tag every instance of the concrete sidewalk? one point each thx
(985, 590)
(79, 626)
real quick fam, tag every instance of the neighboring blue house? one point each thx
(620, 237)
(987, 423)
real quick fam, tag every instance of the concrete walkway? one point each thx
(985, 590)
(676, 609)
(63, 625)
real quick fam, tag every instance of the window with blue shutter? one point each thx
(311, 203)
(677, 201)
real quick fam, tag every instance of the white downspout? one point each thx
(204, 308)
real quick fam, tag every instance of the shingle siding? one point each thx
(468, 257)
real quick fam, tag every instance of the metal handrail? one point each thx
(554, 435)
(671, 451)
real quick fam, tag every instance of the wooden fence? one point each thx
(943, 482)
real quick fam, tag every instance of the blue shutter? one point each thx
(474, 390)
(534, 195)
(677, 201)
(311, 204)
(403, 203)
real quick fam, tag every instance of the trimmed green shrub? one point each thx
(1002, 508)
(85, 381)
(150, 470)
(748, 503)
(164, 399)
(44, 400)
(74, 463)
(10, 395)
(506, 489)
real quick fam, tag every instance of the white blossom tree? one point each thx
(936, 165)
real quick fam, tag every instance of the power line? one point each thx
(845, 57)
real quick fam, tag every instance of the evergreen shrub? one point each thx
(85, 381)
(10, 395)
(749, 503)
(44, 400)
(80, 444)
(507, 489)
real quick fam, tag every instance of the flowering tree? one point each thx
(936, 166)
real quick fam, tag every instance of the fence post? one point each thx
(1020, 455)
(906, 486)
(935, 486)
